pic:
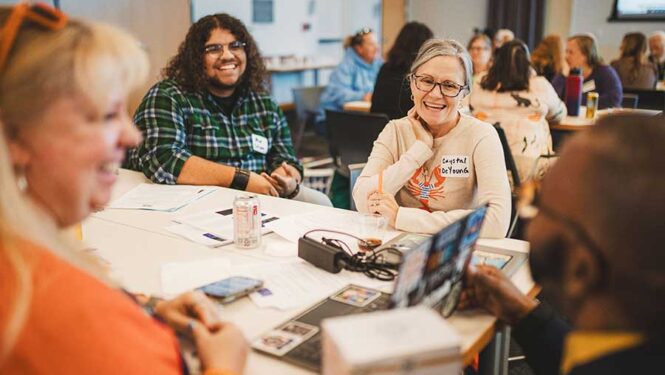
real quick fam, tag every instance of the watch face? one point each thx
(450, 302)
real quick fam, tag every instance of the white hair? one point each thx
(504, 35)
(445, 47)
(658, 34)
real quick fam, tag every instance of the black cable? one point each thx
(370, 263)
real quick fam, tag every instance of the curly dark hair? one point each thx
(188, 67)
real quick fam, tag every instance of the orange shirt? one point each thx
(77, 324)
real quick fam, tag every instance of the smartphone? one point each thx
(229, 289)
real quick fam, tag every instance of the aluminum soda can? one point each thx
(246, 221)
(591, 105)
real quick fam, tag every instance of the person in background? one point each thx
(633, 68)
(582, 53)
(354, 77)
(64, 128)
(596, 252)
(480, 49)
(657, 52)
(211, 120)
(512, 96)
(502, 36)
(433, 166)
(391, 92)
(547, 58)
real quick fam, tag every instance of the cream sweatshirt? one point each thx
(435, 187)
(525, 117)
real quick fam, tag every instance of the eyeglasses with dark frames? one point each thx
(41, 14)
(528, 207)
(216, 50)
(447, 88)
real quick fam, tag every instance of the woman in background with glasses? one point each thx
(480, 49)
(433, 166)
(512, 96)
(64, 130)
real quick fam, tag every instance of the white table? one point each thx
(137, 245)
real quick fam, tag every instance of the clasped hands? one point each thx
(383, 204)
(280, 183)
(220, 345)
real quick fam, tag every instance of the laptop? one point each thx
(508, 261)
(430, 274)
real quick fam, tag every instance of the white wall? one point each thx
(449, 18)
(591, 16)
(330, 19)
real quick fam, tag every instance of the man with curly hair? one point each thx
(211, 121)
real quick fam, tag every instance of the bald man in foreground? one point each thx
(597, 249)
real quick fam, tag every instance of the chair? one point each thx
(354, 173)
(306, 100)
(648, 99)
(513, 173)
(630, 101)
(351, 136)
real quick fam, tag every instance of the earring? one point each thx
(21, 182)
(411, 97)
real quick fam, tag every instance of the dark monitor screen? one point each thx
(638, 10)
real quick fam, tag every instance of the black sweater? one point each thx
(391, 94)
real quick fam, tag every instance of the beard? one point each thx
(546, 262)
(215, 83)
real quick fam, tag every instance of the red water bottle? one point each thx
(573, 97)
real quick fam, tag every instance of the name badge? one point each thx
(589, 86)
(455, 166)
(259, 144)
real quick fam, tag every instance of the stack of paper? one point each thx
(156, 197)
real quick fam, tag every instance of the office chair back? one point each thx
(306, 100)
(354, 173)
(513, 173)
(648, 99)
(630, 101)
(351, 135)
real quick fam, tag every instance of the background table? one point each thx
(358, 106)
(136, 245)
(575, 123)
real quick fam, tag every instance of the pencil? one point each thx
(380, 187)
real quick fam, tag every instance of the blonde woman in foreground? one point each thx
(65, 128)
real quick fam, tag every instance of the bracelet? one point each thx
(294, 192)
(240, 179)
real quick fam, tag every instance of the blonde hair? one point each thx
(548, 53)
(85, 60)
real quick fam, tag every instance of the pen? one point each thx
(380, 187)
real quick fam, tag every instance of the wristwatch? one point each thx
(240, 179)
(294, 192)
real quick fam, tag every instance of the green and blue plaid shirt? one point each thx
(177, 124)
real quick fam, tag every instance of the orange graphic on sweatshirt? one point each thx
(422, 187)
